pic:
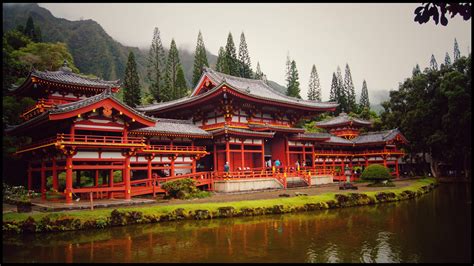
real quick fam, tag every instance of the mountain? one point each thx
(94, 51)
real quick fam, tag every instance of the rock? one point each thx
(226, 211)
(201, 214)
(284, 195)
(300, 194)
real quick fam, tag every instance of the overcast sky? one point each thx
(380, 42)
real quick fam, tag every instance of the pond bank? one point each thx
(102, 218)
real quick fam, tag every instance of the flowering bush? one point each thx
(17, 194)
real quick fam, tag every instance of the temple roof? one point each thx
(342, 119)
(260, 127)
(240, 131)
(376, 137)
(69, 107)
(312, 136)
(173, 126)
(252, 87)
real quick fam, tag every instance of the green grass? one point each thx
(299, 201)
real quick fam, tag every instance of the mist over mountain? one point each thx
(94, 51)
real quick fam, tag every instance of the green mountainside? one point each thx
(94, 51)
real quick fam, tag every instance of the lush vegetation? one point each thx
(184, 189)
(376, 173)
(433, 110)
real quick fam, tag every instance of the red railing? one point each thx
(96, 139)
(356, 153)
(175, 148)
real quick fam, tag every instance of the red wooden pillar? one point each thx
(111, 182)
(366, 161)
(30, 177)
(96, 178)
(68, 179)
(55, 174)
(313, 158)
(227, 154)
(384, 160)
(149, 173)
(396, 168)
(126, 178)
(324, 165)
(172, 158)
(43, 180)
(193, 166)
(263, 154)
(215, 157)
(242, 153)
(287, 151)
(72, 131)
(303, 161)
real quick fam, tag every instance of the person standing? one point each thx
(226, 167)
(277, 164)
(297, 165)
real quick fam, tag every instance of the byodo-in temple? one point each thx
(78, 126)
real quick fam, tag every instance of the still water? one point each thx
(433, 228)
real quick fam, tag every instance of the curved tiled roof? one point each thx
(243, 131)
(374, 137)
(343, 118)
(252, 87)
(174, 126)
(66, 76)
(310, 136)
(276, 128)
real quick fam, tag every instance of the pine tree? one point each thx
(457, 53)
(200, 59)
(221, 64)
(349, 90)
(447, 60)
(293, 89)
(181, 87)
(288, 70)
(416, 70)
(258, 73)
(314, 91)
(131, 83)
(364, 97)
(156, 66)
(332, 93)
(245, 68)
(172, 65)
(231, 57)
(341, 96)
(32, 32)
(433, 63)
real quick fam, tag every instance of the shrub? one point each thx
(376, 173)
(180, 188)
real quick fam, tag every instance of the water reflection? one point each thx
(433, 228)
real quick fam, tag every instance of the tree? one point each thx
(221, 63)
(447, 60)
(258, 73)
(341, 96)
(416, 70)
(172, 66)
(231, 57)
(364, 97)
(32, 32)
(433, 63)
(349, 90)
(314, 91)
(245, 68)
(181, 87)
(156, 66)
(457, 53)
(332, 93)
(131, 84)
(293, 89)
(288, 70)
(426, 11)
(200, 59)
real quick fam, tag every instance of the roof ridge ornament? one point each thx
(65, 67)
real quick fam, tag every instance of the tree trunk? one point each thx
(434, 167)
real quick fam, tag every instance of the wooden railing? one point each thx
(97, 139)
(170, 148)
(357, 153)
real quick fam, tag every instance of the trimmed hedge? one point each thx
(376, 172)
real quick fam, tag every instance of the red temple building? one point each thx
(78, 125)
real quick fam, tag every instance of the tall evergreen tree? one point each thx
(231, 57)
(156, 66)
(258, 72)
(447, 60)
(433, 63)
(245, 66)
(172, 66)
(457, 53)
(349, 90)
(221, 64)
(364, 97)
(416, 70)
(34, 33)
(314, 90)
(288, 70)
(181, 87)
(131, 83)
(200, 59)
(293, 89)
(340, 92)
(334, 86)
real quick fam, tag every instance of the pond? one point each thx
(435, 227)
